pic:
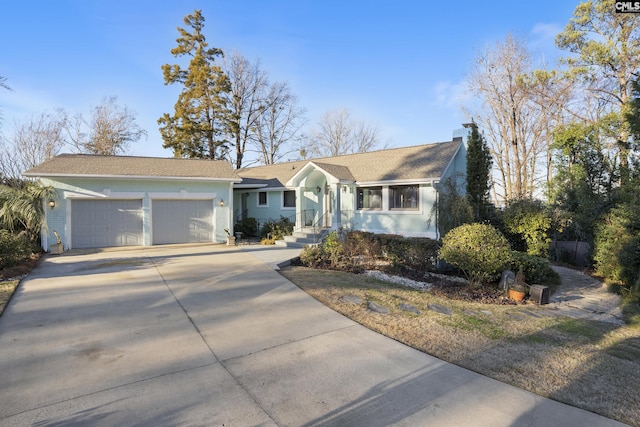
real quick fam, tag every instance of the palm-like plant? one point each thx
(22, 209)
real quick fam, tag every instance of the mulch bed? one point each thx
(21, 269)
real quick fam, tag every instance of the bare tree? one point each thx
(33, 141)
(3, 85)
(264, 117)
(337, 133)
(279, 123)
(514, 124)
(108, 131)
(553, 93)
(248, 87)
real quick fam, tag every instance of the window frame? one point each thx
(266, 199)
(360, 203)
(284, 206)
(391, 197)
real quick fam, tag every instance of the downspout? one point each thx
(434, 184)
(230, 210)
(44, 235)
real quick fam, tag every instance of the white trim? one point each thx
(256, 186)
(181, 195)
(389, 212)
(106, 194)
(295, 200)
(426, 181)
(258, 205)
(257, 190)
(229, 213)
(133, 177)
(453, 158)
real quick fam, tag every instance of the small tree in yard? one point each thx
(479, 250)
(478, 174)
(22, 209)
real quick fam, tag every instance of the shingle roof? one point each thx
(426, 162)
(126, 166)
(422, 162)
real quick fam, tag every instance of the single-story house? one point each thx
(142, 201)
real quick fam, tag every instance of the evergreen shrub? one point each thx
(480, 251)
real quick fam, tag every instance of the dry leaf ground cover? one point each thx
(10, 278)
(589, 364)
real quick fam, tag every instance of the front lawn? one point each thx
(588, 364)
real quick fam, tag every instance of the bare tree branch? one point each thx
(337, 133)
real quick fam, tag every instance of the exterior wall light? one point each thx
(222, 203)
(52, 204)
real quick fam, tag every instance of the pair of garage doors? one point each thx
(104, 223)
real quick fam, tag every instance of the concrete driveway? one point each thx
(211, 335)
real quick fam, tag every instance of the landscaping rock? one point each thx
(530, 313)
(487, 312)
(378, 308)
(409, 307)
(351, 299)
(397, 280)
(440, 309)
(515, 316)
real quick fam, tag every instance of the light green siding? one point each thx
(142, 189)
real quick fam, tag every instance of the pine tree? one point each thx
(197, 127)
(478, 174)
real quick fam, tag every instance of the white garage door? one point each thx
(182, 221)
(102, 223)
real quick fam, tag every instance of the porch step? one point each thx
(286, 244)
(300, 239)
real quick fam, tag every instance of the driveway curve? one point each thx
(212, 335)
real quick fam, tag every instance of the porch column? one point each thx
(299, 209)
(337, 220)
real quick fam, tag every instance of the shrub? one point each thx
(276, 230)
(14, 248)
(479, 250)
(248, 227)
(527, 223)
(615, 234)
(537, 270)
(329, 254)
(629, 259)
(362, 245)
(413, 252)
(358, 249)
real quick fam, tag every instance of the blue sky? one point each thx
(397, 65)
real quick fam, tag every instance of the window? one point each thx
(289, 199)
(262, 198)
(403, 197)
(370, 198)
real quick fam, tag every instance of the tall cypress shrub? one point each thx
(478, 175)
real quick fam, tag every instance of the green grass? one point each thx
(583, 329)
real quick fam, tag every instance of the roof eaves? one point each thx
(136, 177)
(398, 181)
(451, 160)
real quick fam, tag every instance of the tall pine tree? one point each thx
(197, 127)
(478, 175)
